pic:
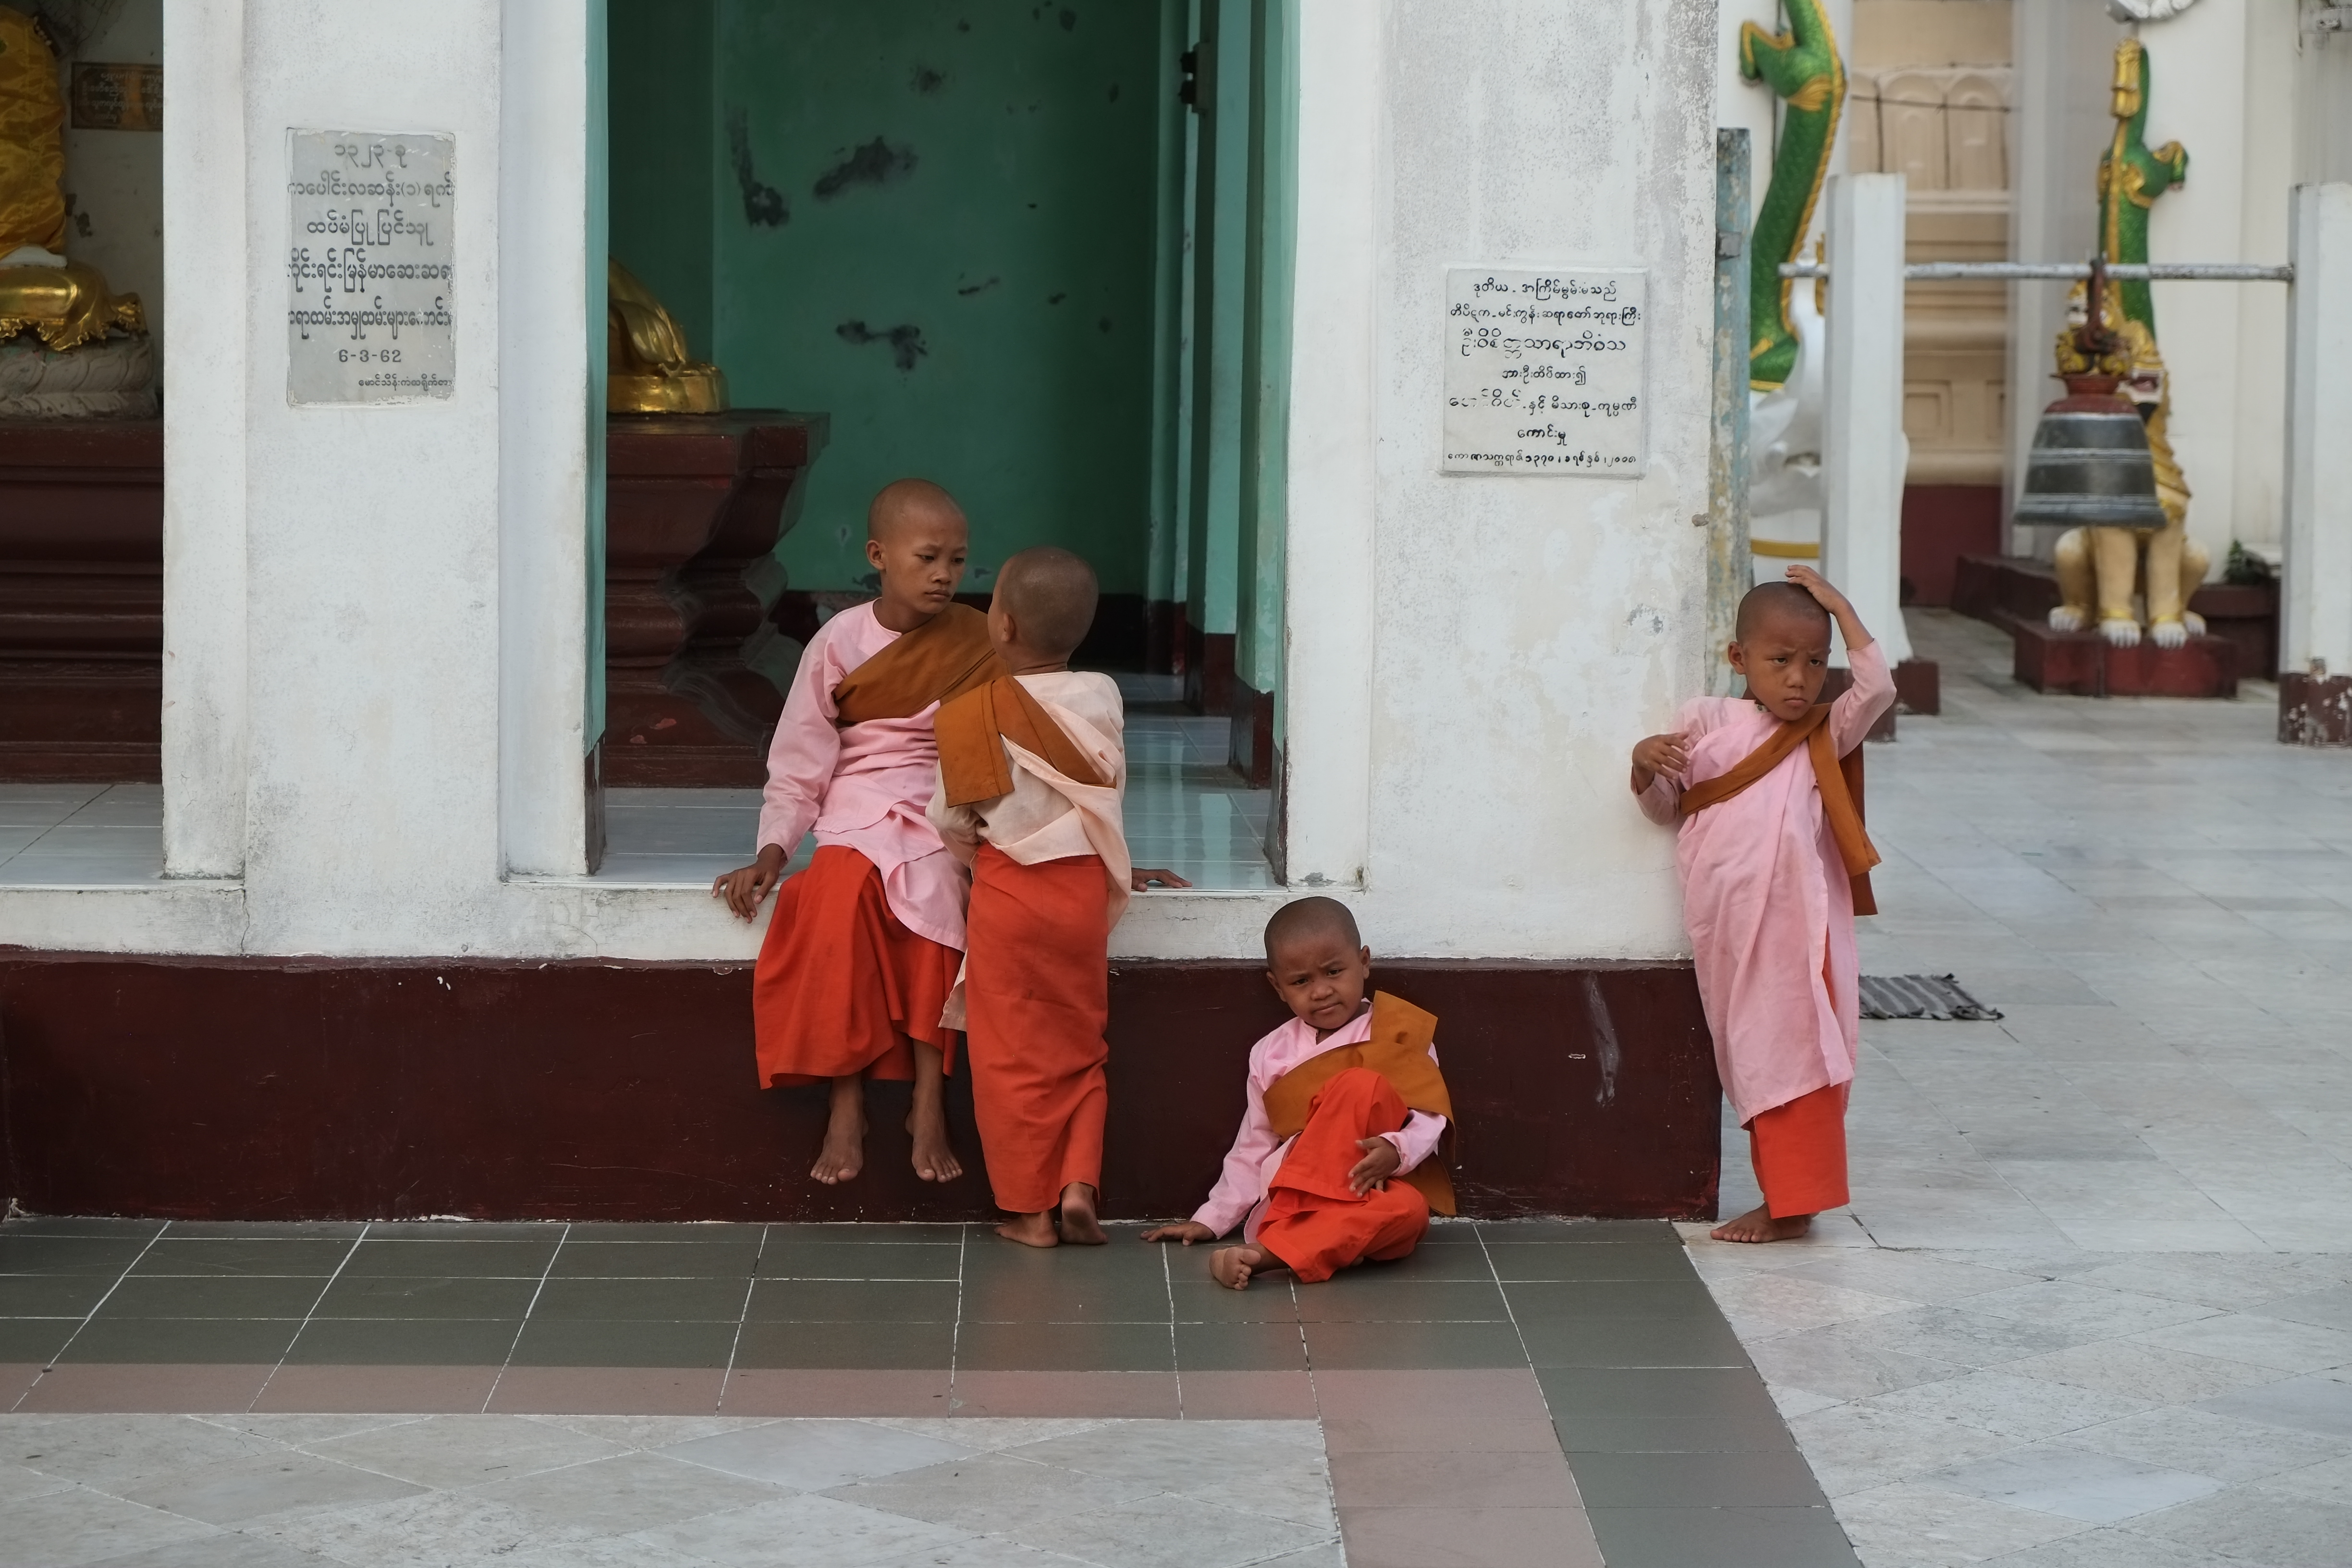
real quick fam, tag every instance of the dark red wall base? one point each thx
(228, 1088)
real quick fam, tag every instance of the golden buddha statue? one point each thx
(64, 303)
(648, 370)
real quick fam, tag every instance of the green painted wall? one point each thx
(935, 223)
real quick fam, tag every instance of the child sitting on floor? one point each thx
(1335, 1162)
(1766, 789)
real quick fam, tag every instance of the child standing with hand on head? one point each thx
(1767, 790)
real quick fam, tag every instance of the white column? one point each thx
(1329, 583)
(1863, 452)
(546, 428)
(2316, 601)
(204, 241)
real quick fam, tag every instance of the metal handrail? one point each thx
(2122, 271)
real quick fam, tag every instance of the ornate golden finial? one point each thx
(648, 370)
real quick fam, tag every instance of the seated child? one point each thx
(1774, 866)
(862, 951)
(1335, 1162)
(1031, 772)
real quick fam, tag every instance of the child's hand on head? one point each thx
(1668, 755)
(1813, 583)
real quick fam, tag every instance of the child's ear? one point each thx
(1276, 984)
(874, 556)
(1739, 659)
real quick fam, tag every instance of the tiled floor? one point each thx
(1523, 1393)
(2092, 1302)
(84, 836)
(1186, 810)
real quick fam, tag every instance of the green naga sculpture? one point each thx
(1802, 65)
(2131, 177)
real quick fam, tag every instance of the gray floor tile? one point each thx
(2075, 1483)
(1720, 1538)
(452, 1453)
(415, 1296)
(811, 1455)
(240, 1490)
(318, 1257)
(1755, 1478)
(402, 1342)
(2321, 1405)
(855, 1300)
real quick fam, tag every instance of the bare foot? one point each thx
(1079, 1226)
(935, 1157)
(843, 1154)
(1758, 1224)
(1030, 1229)
(1232, 1266)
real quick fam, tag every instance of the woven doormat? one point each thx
(1935, 996)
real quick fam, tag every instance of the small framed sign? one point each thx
(1545, 371)
(117, 97)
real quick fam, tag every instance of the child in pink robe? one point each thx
(1766, 891)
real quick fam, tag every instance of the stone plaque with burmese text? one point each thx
(1544, 371)
(367, 272)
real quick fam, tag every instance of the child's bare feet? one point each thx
(1232, 1266)
(1079, 1226)
(1758, 1224)
(1030, 1229)
(843, 1154)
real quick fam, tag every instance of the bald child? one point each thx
(863, 946)
(1032, 771)
(1766, 792)
(1336, 1163)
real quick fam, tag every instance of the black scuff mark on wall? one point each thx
(1113, 92)
(969, 289)
(763, 205)
(875, 164)
(906, 341)
(1103, 324)
(1055, 299)
(927, 81)
(1068, 19)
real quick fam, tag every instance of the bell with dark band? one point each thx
(2090, 466)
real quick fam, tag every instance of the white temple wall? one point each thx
(374, 654)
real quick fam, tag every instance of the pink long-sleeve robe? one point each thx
(1257, 1155)
(1765, 898)
(867, 786)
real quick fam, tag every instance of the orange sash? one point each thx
(1399, 1051)
(973, 764)
(1838, 778)
(947, 655)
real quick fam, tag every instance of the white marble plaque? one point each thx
(1544, 371)
(368, 314)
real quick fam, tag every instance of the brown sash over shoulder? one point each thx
(1398, 1051)
(947, 655)
(1838, 778)
(973, 764)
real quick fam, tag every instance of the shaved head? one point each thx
(906, 501)
(1050, 594)
(1306, 918)
(1779, 601)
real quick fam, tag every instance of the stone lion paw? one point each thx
(2120, 633)
(2067, 618)
(2170, 633)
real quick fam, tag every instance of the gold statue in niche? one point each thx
(647, 369)
(65, 304)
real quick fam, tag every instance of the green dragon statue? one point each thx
(1802, 65)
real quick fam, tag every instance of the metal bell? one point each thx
(2089, 466)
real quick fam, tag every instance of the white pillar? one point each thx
(1863, 452)
(2316, 600)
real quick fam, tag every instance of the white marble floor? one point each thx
(374, 1491)
(2091, 1306)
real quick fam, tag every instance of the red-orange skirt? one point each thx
(841, 985)
(1036, 999)
(1799, 1153)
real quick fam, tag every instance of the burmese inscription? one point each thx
(367, 271)
(1544, 371)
